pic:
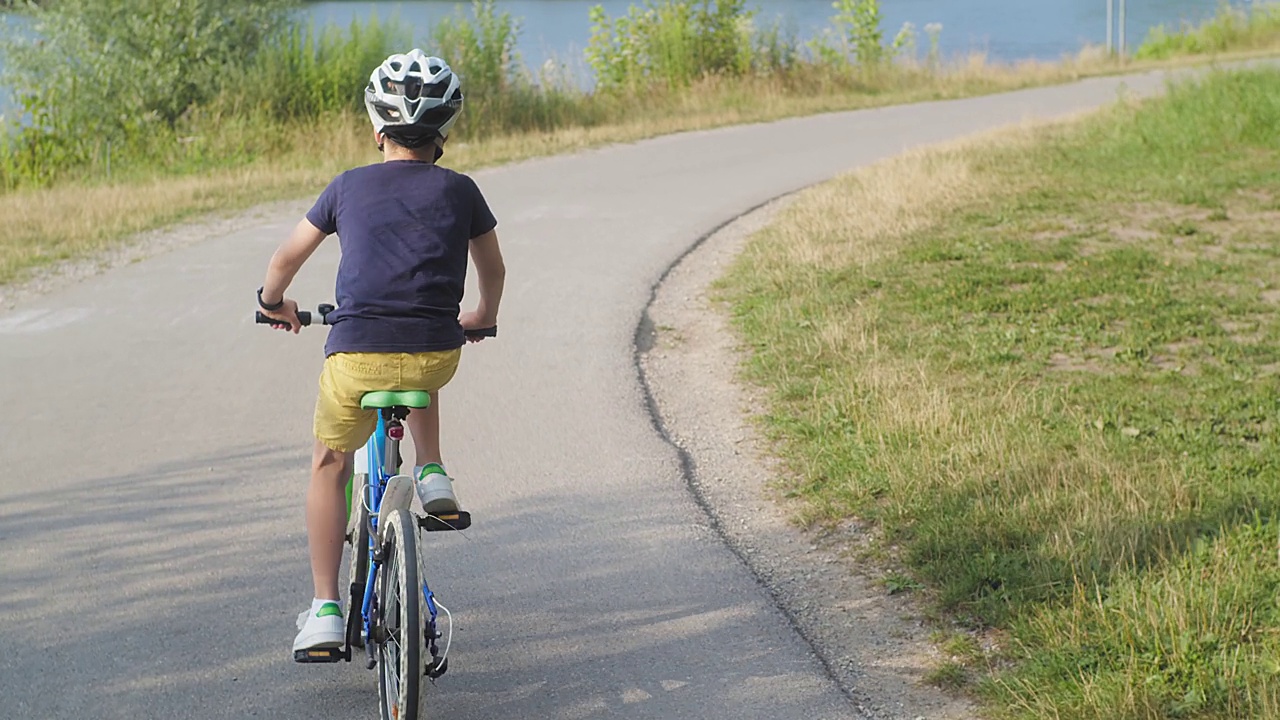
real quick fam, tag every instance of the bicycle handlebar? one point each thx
(305, 317)
(482, 332)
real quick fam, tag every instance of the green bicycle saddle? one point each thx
(395, 398)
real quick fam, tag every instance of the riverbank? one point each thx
(1040, 373)
(39, 232)
(226, 162)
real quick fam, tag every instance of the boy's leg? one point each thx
(431, 371)
(323, 625)
(424, 427)
(341, 426)
(327, 517)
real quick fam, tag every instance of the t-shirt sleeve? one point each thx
(482, 219)
(324, 214)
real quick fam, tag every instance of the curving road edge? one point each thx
(874, 647)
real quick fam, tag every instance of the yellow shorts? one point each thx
(341, 424)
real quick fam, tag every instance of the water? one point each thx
(1005, 29)
(9, 23)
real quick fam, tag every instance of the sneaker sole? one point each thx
(440, 506)
(322, 643)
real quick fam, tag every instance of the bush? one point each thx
(110, 71)
(1229, 29)
(678, 41)
(481, 49)
(308, 72)
(856, 33)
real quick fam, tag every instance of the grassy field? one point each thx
(1044, 371)
(217, 158)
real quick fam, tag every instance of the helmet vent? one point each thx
(388, 114)
(395, 65)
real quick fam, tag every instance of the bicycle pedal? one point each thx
(440, 668)
(445, 522)
(321, 655)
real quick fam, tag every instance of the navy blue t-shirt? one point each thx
(405, 228)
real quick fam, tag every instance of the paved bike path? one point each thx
(155, 444)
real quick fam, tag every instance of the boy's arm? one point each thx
(491, 273)
(285, 263)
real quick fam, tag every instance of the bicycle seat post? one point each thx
(392, 417)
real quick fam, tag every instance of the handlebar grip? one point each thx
(482, 332)
(304, 317)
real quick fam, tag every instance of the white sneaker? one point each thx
(324, 628)
(435, 491)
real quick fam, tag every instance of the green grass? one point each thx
(1049, 368)
(1231, 28)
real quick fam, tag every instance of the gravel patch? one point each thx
(874, 645)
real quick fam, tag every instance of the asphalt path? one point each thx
(154, 447)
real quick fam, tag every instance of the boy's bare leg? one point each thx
(327, 517)
(424, 427)
(435, 489)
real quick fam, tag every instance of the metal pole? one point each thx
(1122, 28)
(1110, 21)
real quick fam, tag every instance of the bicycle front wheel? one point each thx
(399, 619)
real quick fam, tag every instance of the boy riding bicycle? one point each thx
(406, 226)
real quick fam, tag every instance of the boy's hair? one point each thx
(418, 142)
(410, 137)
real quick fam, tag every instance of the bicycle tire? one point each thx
(399, 618)
(358, 537)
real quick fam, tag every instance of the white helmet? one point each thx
(414, 97)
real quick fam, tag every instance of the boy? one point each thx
(406, 226)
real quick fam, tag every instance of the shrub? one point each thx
(1230, 28)
(308, 72)
(678, 41)
(110, 71)
(481, 49)
(856, 33)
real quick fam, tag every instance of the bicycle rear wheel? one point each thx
(399, 620)
(358, 536)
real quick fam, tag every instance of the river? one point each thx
(1005, 29)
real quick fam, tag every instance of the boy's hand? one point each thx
(475, 321)
(287, 315)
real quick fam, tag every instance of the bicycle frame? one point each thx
(382, 461)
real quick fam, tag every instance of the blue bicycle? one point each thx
(398, 621)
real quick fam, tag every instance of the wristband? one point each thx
(269, 308)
